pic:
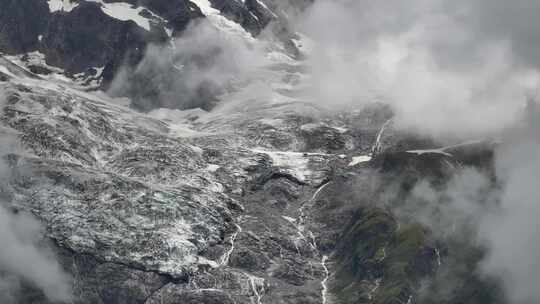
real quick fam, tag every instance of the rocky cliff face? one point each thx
(277, 201)
(81, 35)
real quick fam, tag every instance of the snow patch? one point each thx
(125, 11)
(279, 57)
(359, 159)
(61, 5)
(197, 150)
(179, 122)
(206, 7)
(429, 151)
(444, 149)
(5, 70)
(377, 147)
(289, 219)
(324, 291)
(438, 254)
(294, 163)
(222, 23)
(212, 168)
(314, 126)
(409, 301)
(374, 289)
(224, 261)
(341, 130)
(265, 7)
(310, 127)
(34, 58)
(275, 122)
(257, 287)
(184, 131)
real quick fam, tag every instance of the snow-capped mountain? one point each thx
(251, 194)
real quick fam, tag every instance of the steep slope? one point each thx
(78, 36)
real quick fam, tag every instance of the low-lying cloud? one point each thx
(434, 62)
(458, 68)
(192, 71)
(511, 232)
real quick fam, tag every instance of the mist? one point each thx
(447, 68)
(459, 69)
(192, 71)
(432, 61)
(511, 231)
(25, 257)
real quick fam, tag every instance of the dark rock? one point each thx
(324, 138)
(4, 77)
(172, 294)
(21, 23)
(239, 13)
(36, 69)
(87, 37)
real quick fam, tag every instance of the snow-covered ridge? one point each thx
(54, 74)
(118, 10)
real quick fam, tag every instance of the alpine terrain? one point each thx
(205, 152)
